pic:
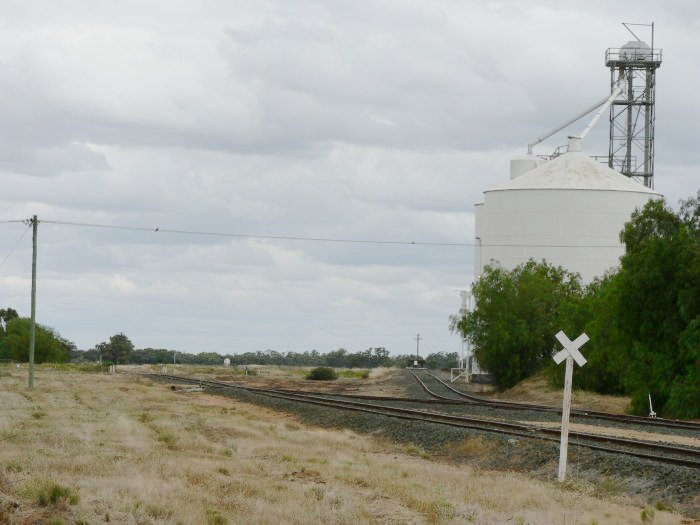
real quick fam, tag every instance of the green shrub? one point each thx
(322, 373)
(46, 493)
(214, 517)
(13, 466)
(354, 374)
(168, 438)
(647, 514)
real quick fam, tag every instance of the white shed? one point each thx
(568, 211)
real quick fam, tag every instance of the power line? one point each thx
(252, 236)
(16, 244)
(318, 239)
(107, 226)
(313, 239)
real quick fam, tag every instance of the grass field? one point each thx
(90, 448)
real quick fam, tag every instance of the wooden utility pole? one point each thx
(32, 330)
(417, 347)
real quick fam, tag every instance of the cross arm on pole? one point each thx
(571, 348)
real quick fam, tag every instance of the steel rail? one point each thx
(584, 413)
(444, 401)
(672, 423)
(478, 424)
(520, 426)
(502, 427)
(468, 399)
(430, 392)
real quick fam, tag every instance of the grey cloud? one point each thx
(308, 118)
(51, 161)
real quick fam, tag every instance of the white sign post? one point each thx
(571, 354)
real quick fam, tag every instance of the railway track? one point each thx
(652, 451)
(453, 395)
(579, 413)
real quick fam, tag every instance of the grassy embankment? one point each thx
(90, 448)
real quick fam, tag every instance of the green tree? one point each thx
(442, 360)
(516, 316)
(596, 314)
(380, 356)
(6, 315)
(337, 358)
(49, 346)
(117, 349)
(659, 311)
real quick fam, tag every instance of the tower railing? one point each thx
(630, 56)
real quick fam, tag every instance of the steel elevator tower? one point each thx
(631, 150)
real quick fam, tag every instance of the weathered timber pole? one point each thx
(32, 327)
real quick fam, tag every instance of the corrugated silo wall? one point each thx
(576, 229)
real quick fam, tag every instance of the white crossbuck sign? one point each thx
(569, 354)
(570, 348)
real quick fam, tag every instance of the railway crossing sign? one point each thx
(570, 353)
(571, 348)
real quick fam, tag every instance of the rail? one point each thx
(684, 456)
(581, 413)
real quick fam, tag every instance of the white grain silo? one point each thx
(568, 211)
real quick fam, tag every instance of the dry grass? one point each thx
(381, 372)
(379, 381)
(536, 389)
(471, 447)
(124, 450)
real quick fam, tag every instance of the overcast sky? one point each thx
(361, 120)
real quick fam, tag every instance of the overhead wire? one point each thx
(253, 236)
(16, 244)
(157, 229)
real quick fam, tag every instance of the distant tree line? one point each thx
(50, 346)
(643, 319)
(341, 358)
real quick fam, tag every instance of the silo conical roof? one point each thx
(574, 171)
